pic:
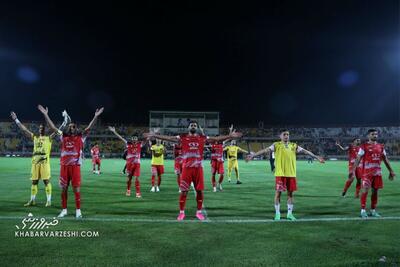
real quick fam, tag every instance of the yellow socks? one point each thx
(34, 190)
(48, 191)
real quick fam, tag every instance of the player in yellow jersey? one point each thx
(285, 170)
(40, 160)
(232, 155)
(157, 164)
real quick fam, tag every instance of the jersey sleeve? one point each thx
(272, 148)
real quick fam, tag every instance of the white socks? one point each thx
(277, 208)
(289, 208)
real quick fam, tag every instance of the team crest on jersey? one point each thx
(193, 144)
(69, 144)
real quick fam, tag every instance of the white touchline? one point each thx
(214, 221)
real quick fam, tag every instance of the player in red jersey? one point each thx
(134, 150)
(72, 141)
(217, 165)
(95, 152)
(178, 163)
(192, 167)
(370, 155)
(352, 150)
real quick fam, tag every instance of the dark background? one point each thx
(281, 62)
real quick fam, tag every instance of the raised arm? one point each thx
(21, 126)
(242, 150)
(201, 130)
(162, 137)
(305, 151)
(232, 135)
(262, 151)
(96, 115)
(387, 163)
(45, 112)
(112, 129)
(342, 148)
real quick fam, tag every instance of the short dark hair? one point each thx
(372, 130)
(283, 130)
(193, 121)
(354, 139)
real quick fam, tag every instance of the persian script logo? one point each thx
(32, 223)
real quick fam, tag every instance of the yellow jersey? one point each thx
(285, 158)
(157, 157)
(232, 152)
(41, 150)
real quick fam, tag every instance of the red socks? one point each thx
(159, 180)
(77, 200)
(364, 200)
(347, 185)
(178, 180)
(137, 185)
(358, 187)
(64, 198)
(374, 199)
(128, 183)
(153, 178)
(199, 198)
(213, 180)
(221, 178)
(182, 201)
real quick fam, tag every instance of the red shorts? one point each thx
(70, 173)
(133, 169)
(178, 167)
(96, 161)
(157, 169)
(374, 181)
(283, 184)
(194, 175)
(217, 167)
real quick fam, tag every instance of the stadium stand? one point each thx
(319, 140)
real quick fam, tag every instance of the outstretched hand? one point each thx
(235, 134)
(249, 157)
(112, 129)
(337, 143)
(43, 110)
(13, 115)
(99, 111)
(231, 129)
(148, 135)
(321, 159)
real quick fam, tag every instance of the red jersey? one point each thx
(217, 152)
(353, 151)
(95, 151)
(192, 150)
(372, 155)
(71, 149)
(133, 152)
(178, 153)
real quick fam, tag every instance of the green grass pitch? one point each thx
(143, 232)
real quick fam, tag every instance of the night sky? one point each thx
(281, 62)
